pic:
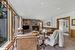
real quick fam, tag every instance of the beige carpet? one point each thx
(69, 45)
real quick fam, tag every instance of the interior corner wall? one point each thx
(20, 24)
(45, 19)
(16, 25)
(52, 21)
(72, 16)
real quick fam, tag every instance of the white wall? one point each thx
(16, 25)
(54, 18)
(72, 16)
(45, 19)
(20, 22)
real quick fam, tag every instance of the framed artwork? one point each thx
(73, 22)
(47, 24)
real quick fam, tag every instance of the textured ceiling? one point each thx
(42, 8)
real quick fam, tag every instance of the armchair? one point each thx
(53, 39)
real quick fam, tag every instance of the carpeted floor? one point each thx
(68, 45)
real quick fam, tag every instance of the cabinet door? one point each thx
(73, 33)
(27, 43)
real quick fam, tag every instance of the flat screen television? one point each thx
(35, 28)
(25, 27)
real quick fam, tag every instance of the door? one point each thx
(64, 23)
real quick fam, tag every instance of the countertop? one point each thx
(26, 35)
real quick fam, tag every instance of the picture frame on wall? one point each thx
(47, 24)
(73, 22)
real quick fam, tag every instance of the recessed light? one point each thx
(42, 3)
(58, 8)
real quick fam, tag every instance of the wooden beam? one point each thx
(11, 7)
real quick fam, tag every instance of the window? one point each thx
(3, 24)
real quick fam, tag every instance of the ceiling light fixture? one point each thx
(58, 8)
(42, 3)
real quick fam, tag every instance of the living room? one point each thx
(37, 25)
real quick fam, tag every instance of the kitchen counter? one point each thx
(27, 41)
(26, 35)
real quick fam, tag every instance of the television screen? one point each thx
(35, 28)
(25, 27)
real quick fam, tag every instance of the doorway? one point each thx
(66, 24)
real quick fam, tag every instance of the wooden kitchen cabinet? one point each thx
(27, 43)
(73, 33)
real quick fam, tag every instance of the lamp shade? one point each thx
(44, 31)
